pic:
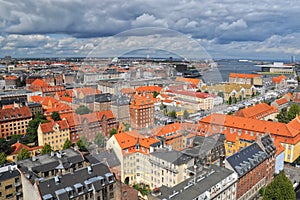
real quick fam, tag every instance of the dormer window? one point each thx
(137, 147)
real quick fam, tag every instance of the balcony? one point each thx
(17, 184)
(164, 166)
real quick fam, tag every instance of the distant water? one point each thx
(221, 73)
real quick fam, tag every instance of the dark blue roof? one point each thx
(247, 158)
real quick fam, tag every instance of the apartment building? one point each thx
(53, 133)
(14, 121)
(260, 111)
(90, 183)
(252, 79)
(141, 111)
(207, 150)
(10, 82)
(254, 168)
(90, 124)
(208, 183)
(248, 129)
(239, 91)
(133, 149)
(10, 183)
(120, 108)
(65, 175)
(191, 100)
(168, 167)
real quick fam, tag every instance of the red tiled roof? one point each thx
(15, 113)
(287, 133)
(86, 91)
(139, 100)
(10, 77)
(17, 147)
(150, 88)
(39, 83)
(128, 140)
(281, 101)
(256, 112)
(194, 81)
(48, 127)
(235, 75)
(278, 79)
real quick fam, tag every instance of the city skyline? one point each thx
(224, 29)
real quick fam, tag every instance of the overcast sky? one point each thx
(254, 29)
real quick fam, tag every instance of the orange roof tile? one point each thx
(15, 113)
(256, 112)
(39, 83)
(128, 140)
(236, 75)
(86, 91)
(150, 88)
(281, 101)
(10, 77)
(194, 81)
(127, 91)
(17, 147)
(278, 79)
(48, 127)
(287, 133)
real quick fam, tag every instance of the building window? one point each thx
(8, 187)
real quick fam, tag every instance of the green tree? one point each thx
(67, 144)
(155, 94)
(81, 110)
(172, 114)
(142, 188)
(46, 149)
(4, 146)
(2, 158)
(33, 126)
(283, 116)
(280, 188)
(82, 143)
(112, 132)
(99, 140)
(55, 116)
(293, 111)
(230, 100)
(23, 154)
(185, 114)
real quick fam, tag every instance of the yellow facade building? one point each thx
(54, 133)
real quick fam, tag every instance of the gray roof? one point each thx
(202, 145)
(120, 100)
(172, 156)
(247, 158)
(43, 163)
(108, 157)
(86, 178)
(9, 174)
(189, 189)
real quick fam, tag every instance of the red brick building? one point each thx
(90, 124)
(141, 111)
(14, 121)
(254, 166)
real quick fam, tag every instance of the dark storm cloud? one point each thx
(219, 22)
